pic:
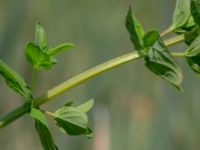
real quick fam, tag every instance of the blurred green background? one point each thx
(134, 109)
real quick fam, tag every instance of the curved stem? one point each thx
(67, 85)
(75, 81)
(85, 76)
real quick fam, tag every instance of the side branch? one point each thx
(69, 84)
(75, 81)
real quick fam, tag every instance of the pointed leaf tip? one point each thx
(40, 36)
(181, 14)
(85, 107)
(60, 48)
(135, 30)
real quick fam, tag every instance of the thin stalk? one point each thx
(178, 54)
(34, 79)
(11, 116)
(65, 86)
(166, 32)
(69, 84)
(175, 40)
(77, 80)
(49, 113)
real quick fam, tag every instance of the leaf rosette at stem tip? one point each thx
(160, 61)
(39, 54)
(38, 58)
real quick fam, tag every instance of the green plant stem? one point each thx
(175, 40)
(11, 116)
(34, 79)
(85, 76)
(166, 32)
(49, 113)
(57, 90)
(178, 54)
(77, 80)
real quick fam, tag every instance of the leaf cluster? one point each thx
(150, 46)
(70, 119)
(157, 56)
(39, 54)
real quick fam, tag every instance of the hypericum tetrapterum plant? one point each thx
(151, 46)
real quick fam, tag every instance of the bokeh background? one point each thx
(134, 109)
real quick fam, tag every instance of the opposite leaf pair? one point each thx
(71, 120)
(157, 57)
(186, 14)
(39, 54)
(186, 20)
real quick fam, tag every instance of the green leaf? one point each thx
(39, 115)
(72, 121)
(89, 133)
(42, 128)
(37, 58)
(85, 107)
(40, 36)
(135, 29)
(190, 24)
(191, 35)
(70, 103)
(160, 61)
(60, 48)
(193, 55)
(39, 54)
(45, 136)
(150, 38)
(181, 14)
(195, 10)
(188, 27)
(15, 81)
